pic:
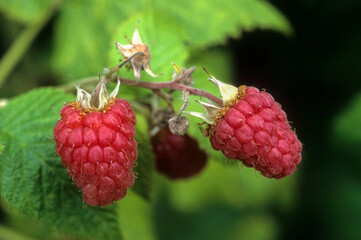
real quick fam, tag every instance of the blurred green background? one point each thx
(311, 64)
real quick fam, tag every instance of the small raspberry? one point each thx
(254, 129)
(97, 147)
(177, 156)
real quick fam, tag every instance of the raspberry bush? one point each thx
(85, 163)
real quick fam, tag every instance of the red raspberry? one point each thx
(255, 130)
(98, 149)
(177, 156)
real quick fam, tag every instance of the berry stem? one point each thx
(111, 73)
(172, 85)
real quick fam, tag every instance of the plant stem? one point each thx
(172, 85)
(22, 43)
(150, 85)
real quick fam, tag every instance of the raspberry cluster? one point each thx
(255, 130)
(98, 149)
(177, 156)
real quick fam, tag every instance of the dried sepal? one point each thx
(147, 69)
(205, 117)
(228, 92)
(83, 98)
(100, 97)
(114, 93)
(178, 125)
(136, 37)
(98, 100)
(211, 109)
(214, 112)
(140, 62)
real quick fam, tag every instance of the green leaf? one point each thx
(80, 41)
(2, 147)
(32, 179)
(346, 134)
(25, 11)
(232, 201)
(131, 93)
(85, 32)
(136, 217)
(256, 226)
(82, 36)
(164, 38)
(144, 169)
(8, 233)
(212, 22)
(232, 185)
(345, 122)
(217, 61)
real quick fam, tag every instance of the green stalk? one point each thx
(23, 42)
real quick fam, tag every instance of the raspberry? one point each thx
(255, 130)
(98, 149)
(177, 156)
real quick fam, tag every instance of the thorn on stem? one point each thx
(204, 69)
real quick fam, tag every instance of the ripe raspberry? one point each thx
(97, 147)
(255, 130)
(177, 156)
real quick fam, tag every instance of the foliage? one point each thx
(156, 18)
(30, 10)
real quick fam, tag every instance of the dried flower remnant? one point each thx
(140, 62)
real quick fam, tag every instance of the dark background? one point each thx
(317, 73)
